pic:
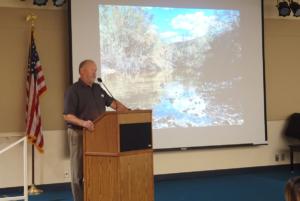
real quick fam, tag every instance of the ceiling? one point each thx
(27, 4)
(270, 10)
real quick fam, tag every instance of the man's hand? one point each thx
(88, 125)
(75, 120)
(118, 106)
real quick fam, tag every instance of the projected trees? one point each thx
(128, 43)
(161, 58)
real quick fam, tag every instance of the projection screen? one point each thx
(197, 64)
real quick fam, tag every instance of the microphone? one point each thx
(101, 82)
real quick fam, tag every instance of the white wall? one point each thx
(52, 165)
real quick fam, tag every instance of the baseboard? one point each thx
(51, 187)
(189, 175)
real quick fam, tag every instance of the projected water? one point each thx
(184, 64)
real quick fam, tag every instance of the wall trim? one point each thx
(206, 173)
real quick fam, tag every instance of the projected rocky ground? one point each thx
(168, 60)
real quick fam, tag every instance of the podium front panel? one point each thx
(102, 178)
(136, 177)
(104, 138)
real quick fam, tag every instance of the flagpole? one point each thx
(33, 190)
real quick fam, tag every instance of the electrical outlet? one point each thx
(66, 174)
(277, 157)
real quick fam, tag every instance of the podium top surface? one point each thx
(132, 116)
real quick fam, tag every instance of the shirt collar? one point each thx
(84, 84)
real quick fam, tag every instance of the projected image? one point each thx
(181, 63)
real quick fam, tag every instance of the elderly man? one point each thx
(84, 102)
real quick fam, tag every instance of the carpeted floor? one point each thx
(258, 185)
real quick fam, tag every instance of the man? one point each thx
(84, 102)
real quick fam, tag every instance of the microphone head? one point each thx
(99, 79)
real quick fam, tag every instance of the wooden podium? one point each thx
(118, 158)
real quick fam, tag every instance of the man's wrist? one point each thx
(81, 123)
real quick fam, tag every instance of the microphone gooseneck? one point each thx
(101, 82)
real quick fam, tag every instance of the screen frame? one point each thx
(71, 81)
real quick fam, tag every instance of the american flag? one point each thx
(35, 87)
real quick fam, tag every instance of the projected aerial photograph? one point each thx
(181, 63)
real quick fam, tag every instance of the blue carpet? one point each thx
(262, 185)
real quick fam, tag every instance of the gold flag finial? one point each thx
(31, 18)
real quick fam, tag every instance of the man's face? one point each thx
(88, 72)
